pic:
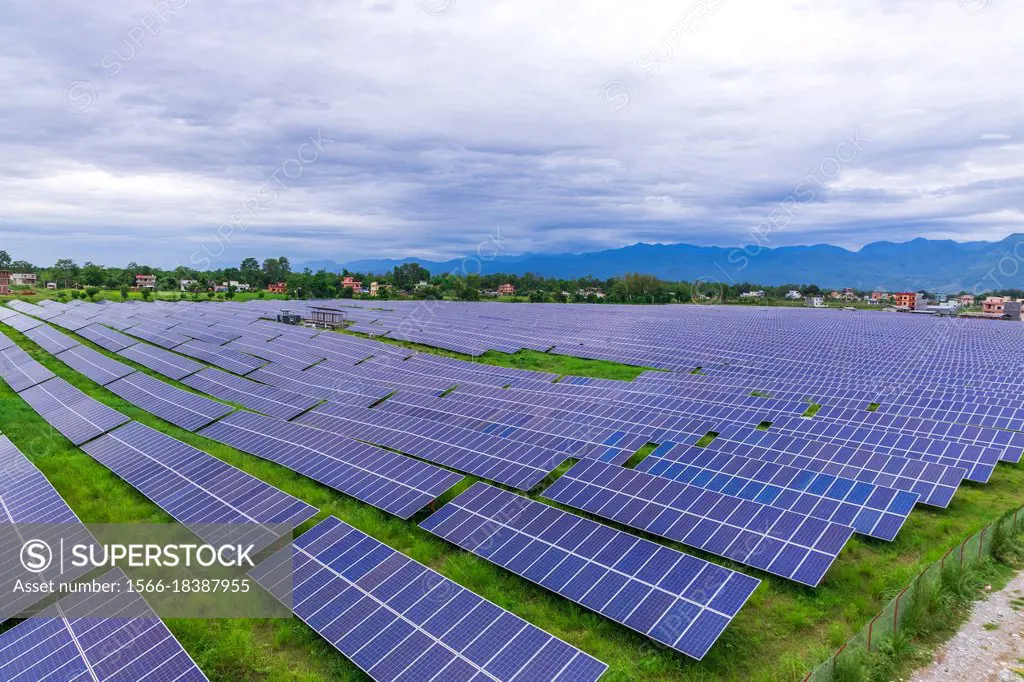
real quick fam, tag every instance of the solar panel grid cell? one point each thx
(77, 416)
(181, 408)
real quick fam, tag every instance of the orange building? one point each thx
(5, 283)
(278, 288)
(351, 283)
(906, 299)
(994, 304)
(506, 290)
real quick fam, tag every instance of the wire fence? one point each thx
(891, 619)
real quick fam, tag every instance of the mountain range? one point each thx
(935, 265)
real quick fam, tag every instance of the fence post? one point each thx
(871, 628)
(896, 611)
(981, 540)
(836, 657)
(942, 562)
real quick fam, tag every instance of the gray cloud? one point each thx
(445, 125)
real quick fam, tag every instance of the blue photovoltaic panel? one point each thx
(387, 480)
(282, 355)
(181, 408)
(872, 510)
(64, 642)
(399, 621)
(22, 322)
(195, 488)
(74, 414)
(519, 465)
(778, 541)
(161, 361)
(28, 503)
(94, 365)
(108, 339)
(207, 334)
(674, 598)
(270, 400)
(51, 340)
(70, 321)
(155, 335)
(19, 370)
(218, 356)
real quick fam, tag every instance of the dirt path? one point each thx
(989, 647)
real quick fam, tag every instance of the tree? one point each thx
(249, 272)
(408, 275)
(195, 289)
(65, 270)
(231, 292)
(91, 292)
(5, 260)
(146, 293)
(124, 292)
(92, 274)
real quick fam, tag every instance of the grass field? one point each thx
(783, 631)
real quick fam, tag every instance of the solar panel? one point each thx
(676, 599)
(519, 465)
(66, 642)
(22, 322)
(399, 621)
(19, 370)
(156, 335)
(70, 321)
(159, 360)
(197, 489)
(270, 400)
(29, 504)
(782, 542)
(225, 358)
(6, 312)
(94, 365)
(298, 358)
(107, 338)
(170, 403)
(207, 334)
(872, 510)
(74, 414)
(51, 340)
(389, 481)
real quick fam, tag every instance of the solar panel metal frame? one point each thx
(172, 404)
(161, 361)
(94, 365)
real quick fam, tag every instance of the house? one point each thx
(793, 295)
(375, 288)
(186, 283)
(815, 301)
(351, 283)
(506, 290)
(238, 286)
(5, 283)
(836, 295)
(590, 291)
(51, 285)
(993, 304)
(24, 279)
(966, 300)
(278, 288)
(905, 299)
(752, 294)
(1007, 310)
(879, 295)
(145, 281)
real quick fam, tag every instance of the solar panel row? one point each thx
(399, 621)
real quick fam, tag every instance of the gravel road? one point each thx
(989, 647)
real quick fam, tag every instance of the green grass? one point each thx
(782, 632)
(811, 410)
(562, 365)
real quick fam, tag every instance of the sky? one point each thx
(200, 132)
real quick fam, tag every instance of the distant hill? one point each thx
(939, 265)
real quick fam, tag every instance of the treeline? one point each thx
(410, 280)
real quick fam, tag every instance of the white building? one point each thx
(793, 295)
(23, 279)
(186, 283)
(752, 294)
(815, 301)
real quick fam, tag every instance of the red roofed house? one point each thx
(966, 299)
(352, 283)
(993, 304)
(278, 288)
(506, 290)
(5, 282)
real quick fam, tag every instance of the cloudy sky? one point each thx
(187, 131)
